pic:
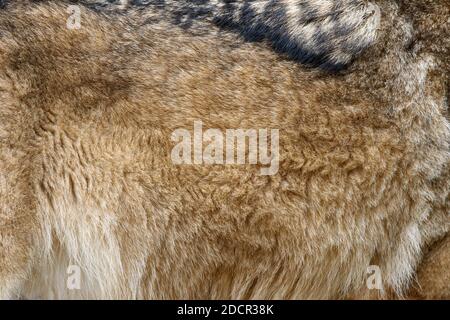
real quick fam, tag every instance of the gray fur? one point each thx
(325, 33)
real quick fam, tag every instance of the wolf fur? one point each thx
(86, 179)
(328, 34)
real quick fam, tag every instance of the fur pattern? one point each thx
(327, 34)
(86, 177)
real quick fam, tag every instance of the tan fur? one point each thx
(324, 33)
(86, 176)
(433, 274)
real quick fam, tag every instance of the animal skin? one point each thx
(87, 179)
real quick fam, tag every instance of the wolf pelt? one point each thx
(321, 33)
(86, 178)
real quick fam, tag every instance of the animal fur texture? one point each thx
(322, 33)
(433, 276)
(86, 177)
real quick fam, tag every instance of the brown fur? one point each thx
(321, 33)
(86, 177)
(433, 276)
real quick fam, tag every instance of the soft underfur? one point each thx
(86, 178)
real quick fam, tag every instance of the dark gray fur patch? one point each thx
(332, 47)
